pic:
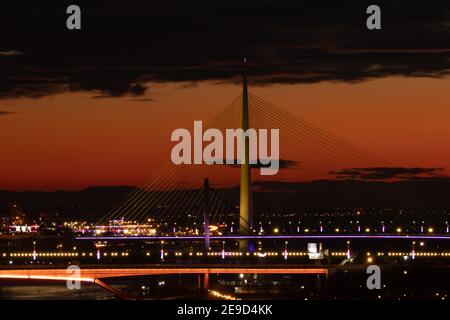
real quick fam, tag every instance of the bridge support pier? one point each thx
(203, 284)
(246, 203)
(206, 214)
(115, 292)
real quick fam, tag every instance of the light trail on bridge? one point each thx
(91, 274)
(96, 275)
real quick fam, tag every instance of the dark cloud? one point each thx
(123, 47)
(386, 173)
(10, 53)
(283, 164)
(5, 113)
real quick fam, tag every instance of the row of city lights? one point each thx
(219, 295)
(219, 253)
(367, 230)
(423, 254)
(61, 254)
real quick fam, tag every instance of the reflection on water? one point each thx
(51, 291)
(346, 283)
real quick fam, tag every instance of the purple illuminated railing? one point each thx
(338, 236)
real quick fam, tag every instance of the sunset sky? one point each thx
(97, 107)
(72, 141)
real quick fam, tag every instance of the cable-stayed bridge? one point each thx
(225, 201)
(229, 209)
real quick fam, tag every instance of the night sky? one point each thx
(96, 106)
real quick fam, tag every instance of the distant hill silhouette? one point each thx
(92, 196)
(94, 202)
(415, 193)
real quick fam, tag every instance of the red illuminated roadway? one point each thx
(96, 275)
(91, 274)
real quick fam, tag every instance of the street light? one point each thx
(34, 250)
(348, 250)
(285, 250)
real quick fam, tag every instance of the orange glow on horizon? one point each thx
(71, 141)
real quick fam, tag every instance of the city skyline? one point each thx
(110, 115)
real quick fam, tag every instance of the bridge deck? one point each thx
(91, 274)
(281, 236)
